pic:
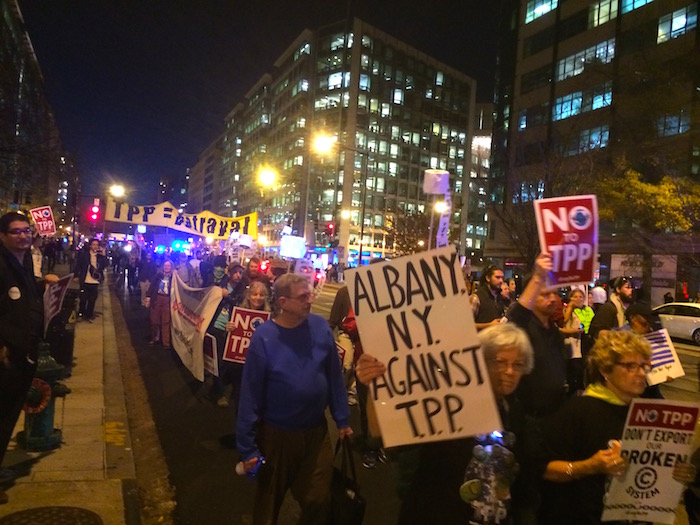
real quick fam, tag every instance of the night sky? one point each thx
(141, 87)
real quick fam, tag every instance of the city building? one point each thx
(390, 111)
(32, 161)
(582, 86)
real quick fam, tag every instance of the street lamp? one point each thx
(267, 177)
(117, 191)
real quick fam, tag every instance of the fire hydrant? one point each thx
(40, 406)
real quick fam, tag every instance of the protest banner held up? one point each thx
(568, 230)
(436, 373)
(191, 311)
(205, 223)
(54, 293)
(43, 220)
(245, 321)
(658, 433)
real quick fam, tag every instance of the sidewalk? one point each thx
(91, 477)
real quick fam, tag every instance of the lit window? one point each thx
(537, 8)
(673, 124)
(398, 96)
(428, 93)
(573, 65)
(386, 110)
(567, 106)
(335, 79)
(439, 78)
(677, 23)
(631, 5)
(601, 12)
(365, 82)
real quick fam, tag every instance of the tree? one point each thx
(408, 233)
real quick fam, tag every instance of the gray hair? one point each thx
(284, 284)
(507, 335)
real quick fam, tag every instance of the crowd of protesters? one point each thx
(563, 367)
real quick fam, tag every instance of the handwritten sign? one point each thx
(664, 358)
(54, 294)
(205, 223)
(415, 312)
(658, 433)
(43, 220)
(245, 322)
(568, 230)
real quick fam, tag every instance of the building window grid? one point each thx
(602, 12)
(538, 8)
(673, 124)
(574, 65)
(582, 102)
(677, 23)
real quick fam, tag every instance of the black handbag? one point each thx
(347, 505)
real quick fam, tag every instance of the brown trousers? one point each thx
(300, 461)
(160, 318)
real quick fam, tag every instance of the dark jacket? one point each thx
(147, 270)
(83, 264)
(21, 308)
(489, 308)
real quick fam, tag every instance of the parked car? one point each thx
(682, 320)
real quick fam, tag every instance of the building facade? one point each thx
(34, 169)
(583, 85)
(391, 112)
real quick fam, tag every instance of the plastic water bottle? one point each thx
(252, 473)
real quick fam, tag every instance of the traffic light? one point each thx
(94, 214)
(331, 228)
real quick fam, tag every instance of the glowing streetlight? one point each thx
(117, 190)
(421, 243)
(324, 144)
(262, 240)
(345, 214)
(267, 177)
(441, 207)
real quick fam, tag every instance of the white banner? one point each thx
(658, 434)
(406, 311)
(191, 311)
(443, 231)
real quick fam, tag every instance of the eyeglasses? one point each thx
(302, 297)
(633, 367)
(503, 366)
(19, 231)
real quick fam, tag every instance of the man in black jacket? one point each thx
(21, 324)
(612, 314)
(487, 304)
(89, 271)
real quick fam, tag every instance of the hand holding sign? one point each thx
(568, 230)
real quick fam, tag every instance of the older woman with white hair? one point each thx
(470, 480)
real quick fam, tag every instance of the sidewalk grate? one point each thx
(54, 516)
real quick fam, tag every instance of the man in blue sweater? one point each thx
(292, 373)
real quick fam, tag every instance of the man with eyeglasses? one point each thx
(612, 313)
(292, 373)
(21, 323)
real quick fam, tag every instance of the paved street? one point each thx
(190, 428)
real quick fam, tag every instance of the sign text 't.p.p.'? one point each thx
(413, 314)
(568, 230)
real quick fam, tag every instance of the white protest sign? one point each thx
(664, 358)
(211, 361)
(54, 293)
(191, 311)
(413, 314)
(658, 433)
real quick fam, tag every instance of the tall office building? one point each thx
(582, 84)
(32, 160)
(392, 111)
